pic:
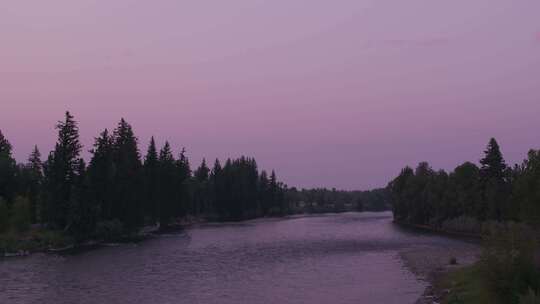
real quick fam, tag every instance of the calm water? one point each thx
(345, 258)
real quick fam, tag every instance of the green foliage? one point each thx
(467, 285)
(20, 214)
(530, 297)
(4, 216)
(508, 260)
(110, 230)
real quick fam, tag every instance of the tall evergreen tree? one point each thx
(8, 170)
(100, 175)
(127, 180)
(167, 187)
(201, 192)
(62, 166)
(494, 182)
(184, 203)
(35, 172)
(151, 176)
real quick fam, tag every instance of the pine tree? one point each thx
(127, 180)
(216, 186)
(184, 204)
(8, 168)
(201, 191)
(264, 193)
(100, 175)
(84, 212)
(151, 176)
(495, 187)
(61, 171)
(35, 169)
(167, 186)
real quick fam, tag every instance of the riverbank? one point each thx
(42, 240)
(437, 266)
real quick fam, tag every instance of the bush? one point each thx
(462, 224)
(20, 214)
(110, 230)
(530, 298)
(508, 260)
(4, 216)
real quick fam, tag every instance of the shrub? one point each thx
(20, 214)
(463, 224)
(508, 260)
(110, 230)
(4, 216)
(530, 298)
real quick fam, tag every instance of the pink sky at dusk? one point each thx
(329, 93)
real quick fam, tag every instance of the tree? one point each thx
(495, 188)
(201, 192)
(4, 215)
(35, 178)
(127, 179)
(84, 212)
(100, 175)
(184, 203)
(167, 186)
(526, 190)
(217, 189)
(8, 183)
(151, 181)
(61, 170)
(20, 214)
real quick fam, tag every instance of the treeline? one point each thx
(492, 191)
(322, 200)
(498, 202)
(119, 189)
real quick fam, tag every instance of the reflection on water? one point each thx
(344, 258)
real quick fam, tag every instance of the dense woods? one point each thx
(492, 191)
(120, 190)
(499, 202)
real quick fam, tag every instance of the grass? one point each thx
(32, 240)
(467, 286)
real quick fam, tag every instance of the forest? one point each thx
(498, 202)
(119, 191)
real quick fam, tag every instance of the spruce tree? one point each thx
(61, 171)
(151, 176)
(201, 191)
(184, 204)
(8, 168)
(495, 188)
(127, 178)
(35, 169)
(100, 175)
(167, 187)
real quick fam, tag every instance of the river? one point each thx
(334, 258)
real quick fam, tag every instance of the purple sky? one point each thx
(329, 93)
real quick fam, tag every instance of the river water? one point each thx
(337, 258)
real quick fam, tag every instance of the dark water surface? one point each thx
(344, 258)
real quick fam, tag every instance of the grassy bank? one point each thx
(465, 285)
(34, 240)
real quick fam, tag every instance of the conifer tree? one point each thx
(8, 182)
(184, 202)
(127, 178)
(167, 186)
(100, 175)
(201, 191)
(35, 172)
(151, 174)
(61, 171)
(495, 189)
